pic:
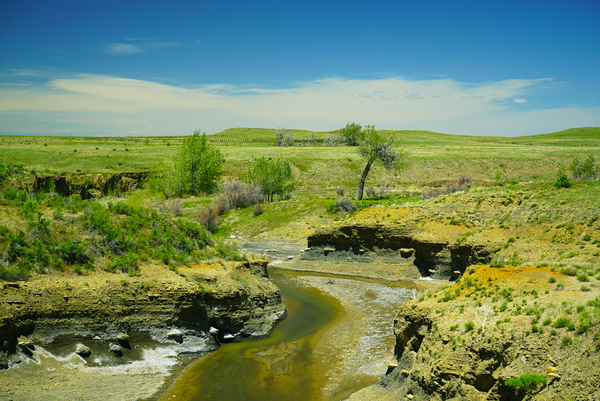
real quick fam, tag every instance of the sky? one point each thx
(104, 68)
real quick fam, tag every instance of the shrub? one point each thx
(566, 341)
(127, 264)
(73, 252)
(552, 280)
(569, 271)
(583, 277)
(562, 180)
(562, 322)
(586, 170)
(345, 205)
(257, 210)
(209, 219)
(469, 326)
(527, 382)
(238, 195)
(274, 177)
(175, 207)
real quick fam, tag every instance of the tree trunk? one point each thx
(361, 183)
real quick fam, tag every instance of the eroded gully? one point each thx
(336, 339)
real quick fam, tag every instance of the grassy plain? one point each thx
(519, 170)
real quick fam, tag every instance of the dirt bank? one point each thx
(134, 325)
(493, 325)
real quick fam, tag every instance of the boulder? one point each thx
(115, 349)
(83, 351)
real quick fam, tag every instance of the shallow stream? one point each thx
(336, 339)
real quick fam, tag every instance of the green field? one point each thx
(433, 156)
(520, 170)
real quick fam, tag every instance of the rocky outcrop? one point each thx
(450, 346)
(89, 185)
(239, 300)
(396, 244)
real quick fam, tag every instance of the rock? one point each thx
(213, 331)
(405, 373)
(327, 251)
(392, 363)
(25, 343)
(550, 369)
(115, 349)
(554, 375)
(123, 340)
(410, 396)
(14, 360)
(549, 358)
(406, 252)
(228, 337)
(83, 351)
(176, 335)
(290, 257)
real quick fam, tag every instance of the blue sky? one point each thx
(503, 68)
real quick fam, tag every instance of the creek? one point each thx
(336, 339)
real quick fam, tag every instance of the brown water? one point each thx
(278, 367)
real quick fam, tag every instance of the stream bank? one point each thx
(131, 328)
(337, 339)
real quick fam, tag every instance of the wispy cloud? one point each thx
(109, 105)
(142, 45)
(515, 100)
(122, 48)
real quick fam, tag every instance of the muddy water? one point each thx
(336, 339)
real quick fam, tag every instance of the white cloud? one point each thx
(515, 100)
(126, 48)
(109, 105)
(122, 48)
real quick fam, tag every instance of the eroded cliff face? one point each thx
(238, 300)
(396, 244)
(465, 342)
(85, 185)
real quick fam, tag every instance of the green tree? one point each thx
(196, 168)
(275, 177)
(352, 134)
(374, 146)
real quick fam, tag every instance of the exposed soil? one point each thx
(160, 313)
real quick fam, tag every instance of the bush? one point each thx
(569, 271)
(583, 277)
(469, 326)
(586, 170)
(463, 182)
(73, 252)
(274, 177)
(238, 195)
(345, 205)
(562, 322)
(562, 180)
(527, 382)
(209, 219)
(257, 210)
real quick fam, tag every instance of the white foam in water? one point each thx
(158, 360)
